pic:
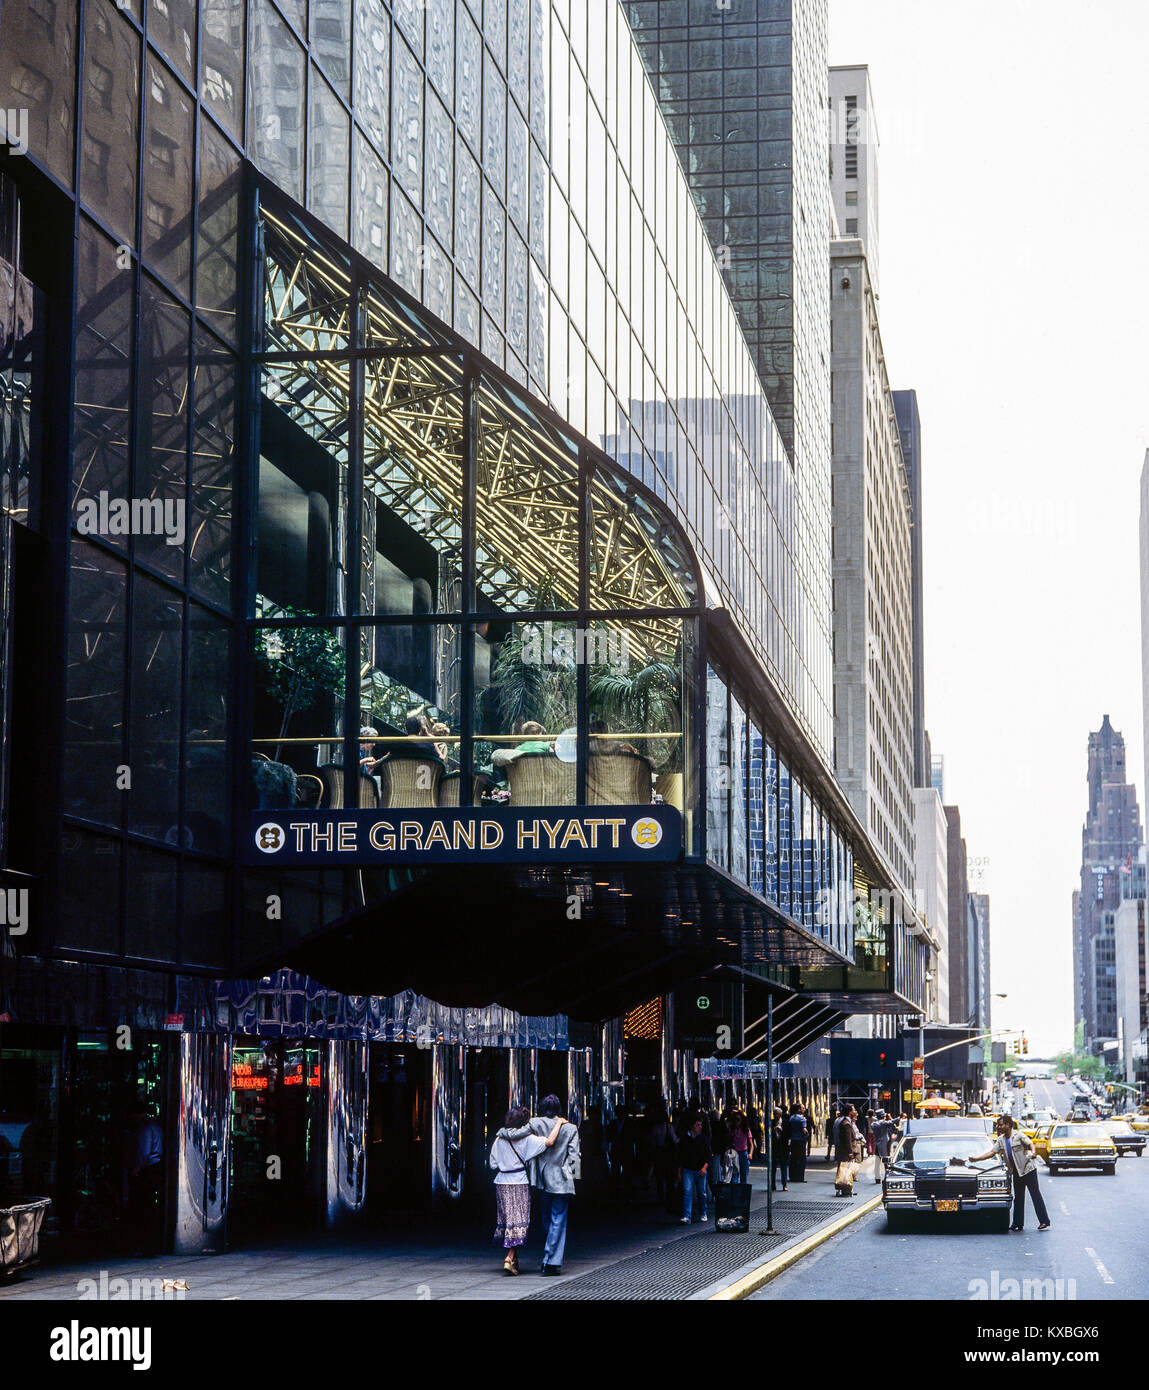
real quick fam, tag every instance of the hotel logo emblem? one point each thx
(270, 838)
(646, 833)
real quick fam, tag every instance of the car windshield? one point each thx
(1079, 1132)
(1119, 1127)
(920, 1149)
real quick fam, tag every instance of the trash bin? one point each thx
(20, 1235)
(732, 1206)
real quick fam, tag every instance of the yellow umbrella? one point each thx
(937, 1103)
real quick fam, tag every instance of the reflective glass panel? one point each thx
(526, 508)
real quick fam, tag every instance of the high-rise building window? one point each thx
(851, 137)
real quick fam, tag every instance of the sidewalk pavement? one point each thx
(615, 1250)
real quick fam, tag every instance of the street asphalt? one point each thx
(1096, 1245)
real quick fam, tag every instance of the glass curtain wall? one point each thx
(455, 599)
(765, 827)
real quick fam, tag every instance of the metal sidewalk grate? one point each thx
(680, 1268)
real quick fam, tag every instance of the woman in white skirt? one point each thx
(513, 1149)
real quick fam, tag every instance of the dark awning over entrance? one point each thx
(589, 944)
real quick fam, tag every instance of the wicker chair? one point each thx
(540, 779)
(410, 781)
(449, 788)
(669, 786)
(617, 779)
(334, 782)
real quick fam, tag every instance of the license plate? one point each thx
(949, 1204)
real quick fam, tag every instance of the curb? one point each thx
(760, 1277)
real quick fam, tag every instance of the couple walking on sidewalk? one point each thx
(543, 1151)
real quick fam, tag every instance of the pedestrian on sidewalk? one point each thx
(780, 1152)
(742, 1142)
(796, 1129)
(847, 1146)
(1017, 1150)
(882, 1134)
(831, 1124)
(144, 1165)
(694, 1160)
(665, 1144)
(719, 1143)
(513, 1149)
(554, 1173)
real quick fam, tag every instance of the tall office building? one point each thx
(1143, 535)
(1131, 946)
(931, 888)
(873, 575)
(910, 432)
(854, 148)
(980, 979)
(345, 330)
(744, 92)
(961, 1003)
(1110, 841)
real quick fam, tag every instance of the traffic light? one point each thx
(881, 1059)
(1025, 1047)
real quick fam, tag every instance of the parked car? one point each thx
(930, 1172)
(1081, 1146)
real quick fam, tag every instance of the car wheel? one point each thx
(1111, 1170)
(1053, 1170)
(896, 1220)
(1002, 1220)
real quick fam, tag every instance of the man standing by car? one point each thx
(882, 1133)
(1020, 1157)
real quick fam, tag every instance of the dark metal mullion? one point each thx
(582, 676)
(698, 737)
(469, 587)
(247, 491)
(135, 463)
(353, 562)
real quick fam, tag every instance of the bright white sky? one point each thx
(1014, 203)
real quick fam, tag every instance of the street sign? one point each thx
(919, 1073)
(904, 1064)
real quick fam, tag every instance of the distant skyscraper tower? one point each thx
(1110, 841)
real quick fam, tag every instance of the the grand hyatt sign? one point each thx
(467, 835)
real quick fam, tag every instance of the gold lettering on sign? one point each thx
(437, 835)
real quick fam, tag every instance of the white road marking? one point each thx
(1064, 1208)
(1106, 1277)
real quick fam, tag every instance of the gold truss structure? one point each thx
(527, 472)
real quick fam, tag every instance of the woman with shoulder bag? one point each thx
(513, 1149)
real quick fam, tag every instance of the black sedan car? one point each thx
(931, 1171)
(1125, 1137)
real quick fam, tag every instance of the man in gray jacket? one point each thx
(554, 1174)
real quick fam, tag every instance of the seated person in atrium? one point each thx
(535, 741)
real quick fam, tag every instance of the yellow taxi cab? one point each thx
(1079, 1146)
(1140, 1122)
(1040, 1139)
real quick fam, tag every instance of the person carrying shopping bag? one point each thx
(847, 1150)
